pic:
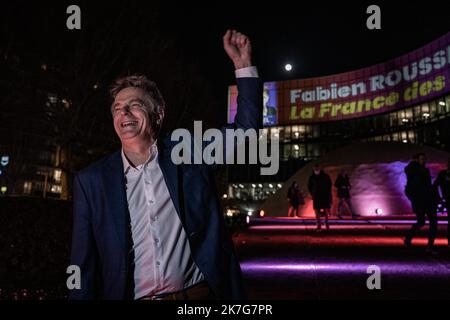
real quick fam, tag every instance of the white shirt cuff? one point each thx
(248, 72)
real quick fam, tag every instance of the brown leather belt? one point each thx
(199, 291)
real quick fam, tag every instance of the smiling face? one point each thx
(130, 115)
(137, 110)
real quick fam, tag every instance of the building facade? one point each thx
(405, 100)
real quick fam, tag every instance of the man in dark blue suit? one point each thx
(145, 228)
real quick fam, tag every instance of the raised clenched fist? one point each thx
(238, 48)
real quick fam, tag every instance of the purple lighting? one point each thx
(427, 269)
(304, 224)
(379, 188)
(289, 259)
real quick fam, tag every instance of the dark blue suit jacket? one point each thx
(101, 243)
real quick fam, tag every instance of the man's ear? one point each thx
(160, 116)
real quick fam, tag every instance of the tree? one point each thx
(61, 87)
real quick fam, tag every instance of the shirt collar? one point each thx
(126, 164)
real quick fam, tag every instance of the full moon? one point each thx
(288, 67)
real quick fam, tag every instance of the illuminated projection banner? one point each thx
(410, 79)
(269, 103)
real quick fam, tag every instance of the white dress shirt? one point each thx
(162, 256)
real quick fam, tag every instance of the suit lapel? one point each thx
(114, 184)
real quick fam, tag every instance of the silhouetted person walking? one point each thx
(319, 185)
(343, 187)
(295, 198)
(419, 191)
(443, 182)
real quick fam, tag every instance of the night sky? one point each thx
(319, 38)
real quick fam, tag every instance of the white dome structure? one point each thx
(376, 175)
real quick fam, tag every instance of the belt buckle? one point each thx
(152, 297)
(170, 296)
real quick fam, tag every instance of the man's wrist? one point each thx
(242, 64)
(247, 72)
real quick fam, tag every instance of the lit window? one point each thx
(27, 187)
(52, 98)
(275, 132)
(404, 136)
(57, 175)
(65, 103)
(56, 188)
(411, 136)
